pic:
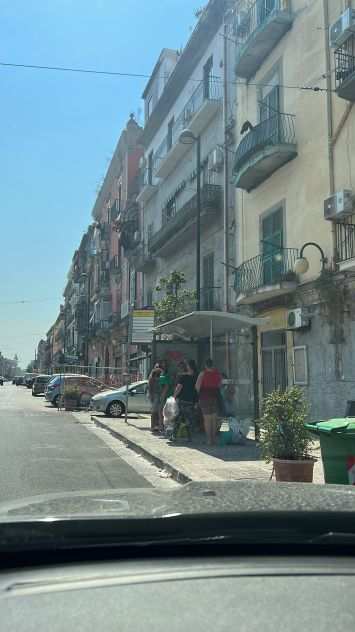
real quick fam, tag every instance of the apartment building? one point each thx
(185, 92)
(293, 171)
(114, 284)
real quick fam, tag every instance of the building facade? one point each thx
(293, 175)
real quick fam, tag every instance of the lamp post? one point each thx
(302, 264)
(188, 138)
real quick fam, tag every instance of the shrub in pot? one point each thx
(71, 397)
(284, 438)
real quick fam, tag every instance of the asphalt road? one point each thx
(44, 451)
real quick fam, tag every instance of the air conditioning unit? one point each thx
(217, 159)
(137, 237)
(341, 30)
(297, 318)
(339, 205)
(142, 162)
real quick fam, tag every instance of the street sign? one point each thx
(142, 325)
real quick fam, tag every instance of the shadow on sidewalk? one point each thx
(249, 451)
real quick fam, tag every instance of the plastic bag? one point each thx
(236, 430)
(170, 411)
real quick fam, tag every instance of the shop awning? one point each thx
(203, 324)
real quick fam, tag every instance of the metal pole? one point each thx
(256, 381)
(226, 169)
(198, 226)
(88, 322)
(211, 339)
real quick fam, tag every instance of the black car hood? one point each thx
(190, 499)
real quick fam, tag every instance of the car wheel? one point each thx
(115, 409)
(33, 394)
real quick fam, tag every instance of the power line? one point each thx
(136, 75)
(26, 301)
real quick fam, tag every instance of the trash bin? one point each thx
(337, 443)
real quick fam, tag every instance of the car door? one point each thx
(138, 401)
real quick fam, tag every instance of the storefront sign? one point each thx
(142, 326)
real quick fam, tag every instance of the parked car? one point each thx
(113, 403)
(87, 386)
(39, 384)
(18, 380)
(1, 380)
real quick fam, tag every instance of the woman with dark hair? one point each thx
(185, 394)
(208, 385)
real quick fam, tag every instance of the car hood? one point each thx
(119, 391)
(193, 498)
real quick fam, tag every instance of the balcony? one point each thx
(115, 265)
(177, 229)
(345, 75)
(258, 30)
(345, 246)
(198, 111)
(266, 148)
(147, 188)
(99, 327)
(266, 276)
(140, 258)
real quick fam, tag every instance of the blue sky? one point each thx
(58, 132)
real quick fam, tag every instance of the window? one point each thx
(170, 134)
(269, 98)
(149, 107)
(208, 291)
(150, 167)
(300, 366)
(149, 298)
(272, 244)
(207, 78)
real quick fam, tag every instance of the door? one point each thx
(269, 112)
(271, 246)
(138, 401)
(263, 10)
(208, 301)
(274, 361)
(207, 78)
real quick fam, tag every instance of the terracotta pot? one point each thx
(294, 471)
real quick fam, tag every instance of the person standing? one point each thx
(208, 385)
(185, 394)
(154, 396)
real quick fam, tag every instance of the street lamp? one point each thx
(188, 138)
(302, 264)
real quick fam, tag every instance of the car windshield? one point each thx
(178, 250)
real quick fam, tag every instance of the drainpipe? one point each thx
(226, 188)
(330, 123)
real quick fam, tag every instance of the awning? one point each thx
(204, 323)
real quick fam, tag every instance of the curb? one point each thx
(178, 475)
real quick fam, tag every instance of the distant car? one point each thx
(39, 384)
(29, 378)
(87, 387)
(1, 380)
(19, 380)
(113, 403)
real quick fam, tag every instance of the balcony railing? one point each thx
(211, 198)
(206, 91)
(258, 29)
(276, 132)
(345, 75)
(345, 242)
(115, 264)
(266, 270)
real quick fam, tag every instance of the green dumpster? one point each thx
(337, 443)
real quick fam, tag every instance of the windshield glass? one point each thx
(188, 201)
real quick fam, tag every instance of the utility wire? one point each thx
(25, 301)
(145, 76)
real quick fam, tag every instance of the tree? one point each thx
(31, 366)
(176, 301)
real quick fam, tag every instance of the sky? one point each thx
(58, 131)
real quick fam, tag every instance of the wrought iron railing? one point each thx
(248, 21)
(344, 67)
(211, 198)
(115, 264)
(345, 241)
(276, 130)
(266, 269)
(210, 90)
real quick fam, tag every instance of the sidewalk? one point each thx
(194, 461)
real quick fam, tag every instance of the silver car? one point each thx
(113, 403)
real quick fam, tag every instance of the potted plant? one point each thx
(284, 437)
(71, 397)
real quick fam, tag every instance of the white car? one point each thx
(113, 403)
